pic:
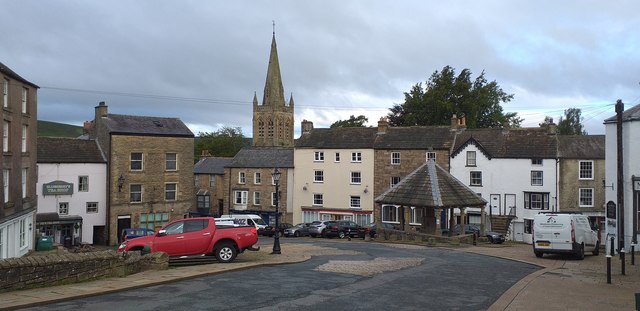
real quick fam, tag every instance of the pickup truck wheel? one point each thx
(341, 234)
(225, 252)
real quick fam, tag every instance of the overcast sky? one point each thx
(202, 61)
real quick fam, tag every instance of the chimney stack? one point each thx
(306, 127)
(101, 110)
(383, 125)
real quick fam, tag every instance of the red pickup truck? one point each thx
(197, 237)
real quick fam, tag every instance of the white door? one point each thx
(494, 201)
(518, 231)
(509, 204)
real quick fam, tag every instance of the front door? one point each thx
(509, 204)
(495, 204)
(124, 222)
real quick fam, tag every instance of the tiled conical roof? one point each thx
(431, 186)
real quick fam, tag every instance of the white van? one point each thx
(247, 219)
(564, 233)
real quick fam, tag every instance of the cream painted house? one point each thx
(334, 174)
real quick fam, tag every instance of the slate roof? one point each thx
(581, 146)
(338, 138)
(431, 186)
(141, 125)
(68, 150)
(415, 137)
(517, 143)
(631, 114)
(211, 165)
(7, 71)
(257, 157)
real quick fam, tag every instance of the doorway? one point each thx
(124, 222)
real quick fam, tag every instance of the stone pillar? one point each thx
(429, 221)
(452, 221)
(406, 218)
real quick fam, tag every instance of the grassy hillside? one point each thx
(53, 129)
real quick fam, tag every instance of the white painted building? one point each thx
(631, 175)
(72, 191)
(334, 174)
(513, 169)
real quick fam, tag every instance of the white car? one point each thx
(564, 233)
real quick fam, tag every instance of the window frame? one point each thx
(132, 162)
(83, 183)
(356, 178)
(318, 199)
(318, 176)
(582, 169)
(90, 209)
(473, 180)
(395, 158)
(257, 178)
(431, 155)
(242, 177)
(543, 202)
(240, 197)
(167, 162)
(472, 160)
(257, 198)
(336, 158)
(390, 214)
(581, 197)
(392, 179)
(24, 99)
(5, 94)
(356, 157)
(536, 162)
(171, 195)
(203, 201)
(135, 196)
(25, 142)
(5, 184)
(23, 181)
(6, 134)
(414, 218)
(63, 208)
(355, 202)
(318, 156)
(537, 180)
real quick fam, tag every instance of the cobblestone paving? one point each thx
(369, 267)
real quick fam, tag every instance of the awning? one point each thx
(55, 219)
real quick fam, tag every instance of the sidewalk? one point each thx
(563, 284)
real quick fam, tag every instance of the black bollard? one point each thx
(633, 256)
(622, 259)
(608, 269)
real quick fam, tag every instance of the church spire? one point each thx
(273, 90)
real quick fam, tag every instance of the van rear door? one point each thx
(552, 231)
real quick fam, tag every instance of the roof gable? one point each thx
(257, 157)
(516, 143)
(338, 138)
(581, 146)
(415, 137)
(68, 150)
(141, 125)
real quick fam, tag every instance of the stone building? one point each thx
(150, 169)
(581, 172)
(210, 184)
(19, 130)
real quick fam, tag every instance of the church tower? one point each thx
(273, 118)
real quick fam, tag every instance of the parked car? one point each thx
(372, 230)
(342, 229)
(271, 230)
(494, 237)
(195, 237)
(564, 233)
(317, 228)
(298, 230)
(468, 229)
(132, 233)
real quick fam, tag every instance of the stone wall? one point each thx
(425, 239)
(57, 269)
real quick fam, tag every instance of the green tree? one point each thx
(225, 142)
(353, 121)
(571, 124)
(446, 94)
(547, 121)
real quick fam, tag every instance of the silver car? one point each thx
(317, 227)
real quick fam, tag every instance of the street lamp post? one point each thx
(276, 236)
